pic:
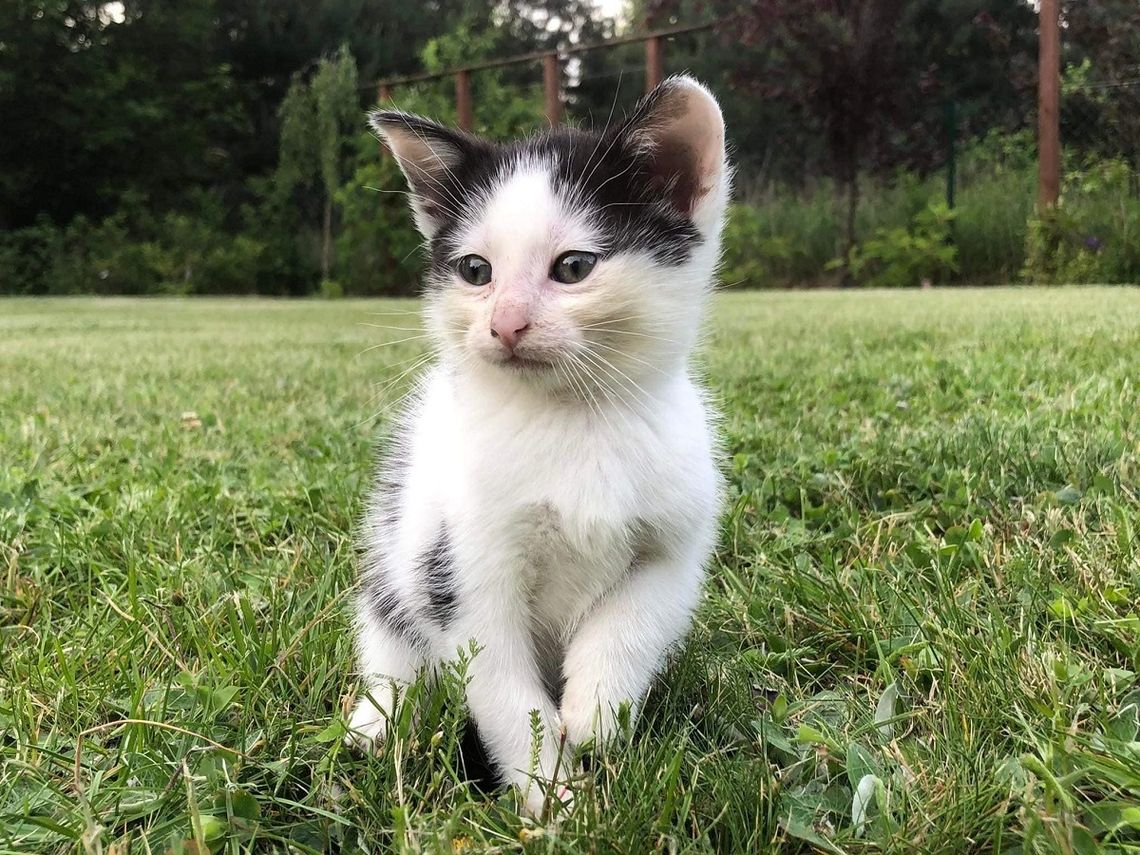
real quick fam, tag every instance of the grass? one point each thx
(927, 584)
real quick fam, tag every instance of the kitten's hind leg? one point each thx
(389, 663)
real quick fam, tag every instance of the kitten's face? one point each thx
(575, 261)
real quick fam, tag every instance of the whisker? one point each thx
(624, 403)
(609, 120)
(634, 333)
(393, 343)
(385, 327)
(414, 358)
(597, 383)
(618, 332)
(628, 379)
(614, 321)
(612, 177)
(416, 365)
(649, 365)
(421, 245)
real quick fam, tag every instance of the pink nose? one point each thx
(508, 325)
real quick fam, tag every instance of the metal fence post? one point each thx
(653, 72)
(552, 88)
(951, 151)
(1049, 105)
(464, 112)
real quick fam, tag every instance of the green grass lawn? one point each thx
(929, 573)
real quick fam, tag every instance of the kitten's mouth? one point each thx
(525, 363)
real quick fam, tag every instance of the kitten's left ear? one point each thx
(680, 127)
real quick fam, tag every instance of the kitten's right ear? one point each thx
(428, 153)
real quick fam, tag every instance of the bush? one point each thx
(778, 237)
(782, 237)
(901, 257)
(25, 257)
(750, 257)
(996, 191)
(182, 253)
(1092, 234)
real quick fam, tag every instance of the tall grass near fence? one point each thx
(779, 236)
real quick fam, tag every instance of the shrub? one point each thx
(1092, 234)
(750, 257)
(181, 253)
(996, 191)
(25, 257)
(901, 257)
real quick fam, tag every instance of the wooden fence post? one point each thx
(1049, 105)
(552, 88)
(653, 73)
(464, 113)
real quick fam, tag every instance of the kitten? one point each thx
(551, 493)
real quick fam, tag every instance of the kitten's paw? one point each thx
(546, 804)
(583, 720)
(368, 727)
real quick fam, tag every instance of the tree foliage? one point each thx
(138, 135)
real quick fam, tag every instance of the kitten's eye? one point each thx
(573, 266)
(474, 269)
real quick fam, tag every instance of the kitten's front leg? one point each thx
(504, 687)
(389, 662)
(622, 644)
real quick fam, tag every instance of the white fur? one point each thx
(553, 482)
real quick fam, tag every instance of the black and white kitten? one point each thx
(552, 493)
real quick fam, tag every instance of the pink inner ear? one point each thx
(675, 162)
(688, 145)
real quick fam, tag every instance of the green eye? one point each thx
(573, 266)
(474, 269)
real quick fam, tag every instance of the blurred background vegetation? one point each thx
(219, 146)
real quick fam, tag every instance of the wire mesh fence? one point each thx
(1094, 232)
(1101, 120)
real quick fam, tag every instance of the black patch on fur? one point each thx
(624, 191)
(390, 612)
(384, 602)
(616, 184)
(438, 566)
(475, 763)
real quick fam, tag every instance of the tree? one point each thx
(854, 87)
(97, 110)
(841, 66)
(337, 117)
(1101, 52)
(267, 42)
(318, 121)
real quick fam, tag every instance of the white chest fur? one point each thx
(544, 494)
(557, 500)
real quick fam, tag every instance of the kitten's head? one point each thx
(573, 259)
